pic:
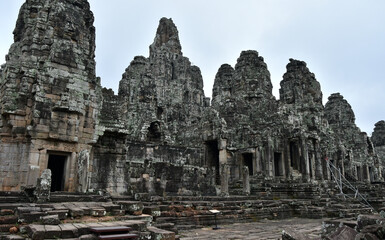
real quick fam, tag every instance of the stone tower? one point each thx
(355, 150)
(152, 140)
(48, 95)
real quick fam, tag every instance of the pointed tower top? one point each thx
(167, 38)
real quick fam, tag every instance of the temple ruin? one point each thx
(160, 135)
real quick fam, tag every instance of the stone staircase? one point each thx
(69, 220)
(155, 217)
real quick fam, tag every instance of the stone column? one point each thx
(246, 180)
(225, 173)
(318, 163)
(305, 159)
(366, 174)
(82, 171)
(258, 167)
(224, 170)
(287, 157)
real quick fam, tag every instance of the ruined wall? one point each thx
(48, 90)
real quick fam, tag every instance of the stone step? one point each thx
(119, 236)
(74, 230)
(68, 197)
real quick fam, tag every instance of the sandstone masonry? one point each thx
(160, 135)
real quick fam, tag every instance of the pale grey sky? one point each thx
(343, 42)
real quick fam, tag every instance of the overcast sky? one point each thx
(343, 42)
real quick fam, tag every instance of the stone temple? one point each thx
(160, 135)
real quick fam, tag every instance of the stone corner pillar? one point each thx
(246, 180)
(225, 174)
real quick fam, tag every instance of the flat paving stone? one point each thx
(264, 229)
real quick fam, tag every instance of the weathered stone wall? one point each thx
(304, 125)
(355, 149)
(14, 167)
(378, 139)
(152, 142)
(49, 94)
(163, 94)
(159, 134)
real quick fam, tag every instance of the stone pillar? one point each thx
(271, 160)
(305, 159)
(82, 168)
(287, 157)
(225, 173)
(318, 163)
(258, 167)
(366, 174)
(223, 152)
(246, 180)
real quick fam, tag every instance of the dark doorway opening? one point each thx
(294, 155)
(248, 161)
(311, 168)
(57, 165)
(154, 131)
(278, 168)
(212, 158)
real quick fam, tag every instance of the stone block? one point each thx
(52, 231)
(83, 229)
(14, 237)
(5, 212)
(98, 212)
(160, 234)
(21, 210)
(118, 212)
(35, 231)
(76, 212)
(152, 210)
(343, 232)
(62, 214)
(377, 229)
(289, 234)
(365, 220)
(131, 207)
(6, 227)
(88, 237)
(50, 220)
(8, 219)
(110, 206)
(31, 217)
(68, 231)
(86, 211)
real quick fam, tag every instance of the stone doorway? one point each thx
(57, 163)
(295, 161)
(212, 158)
(278, 166)
(248, 161)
